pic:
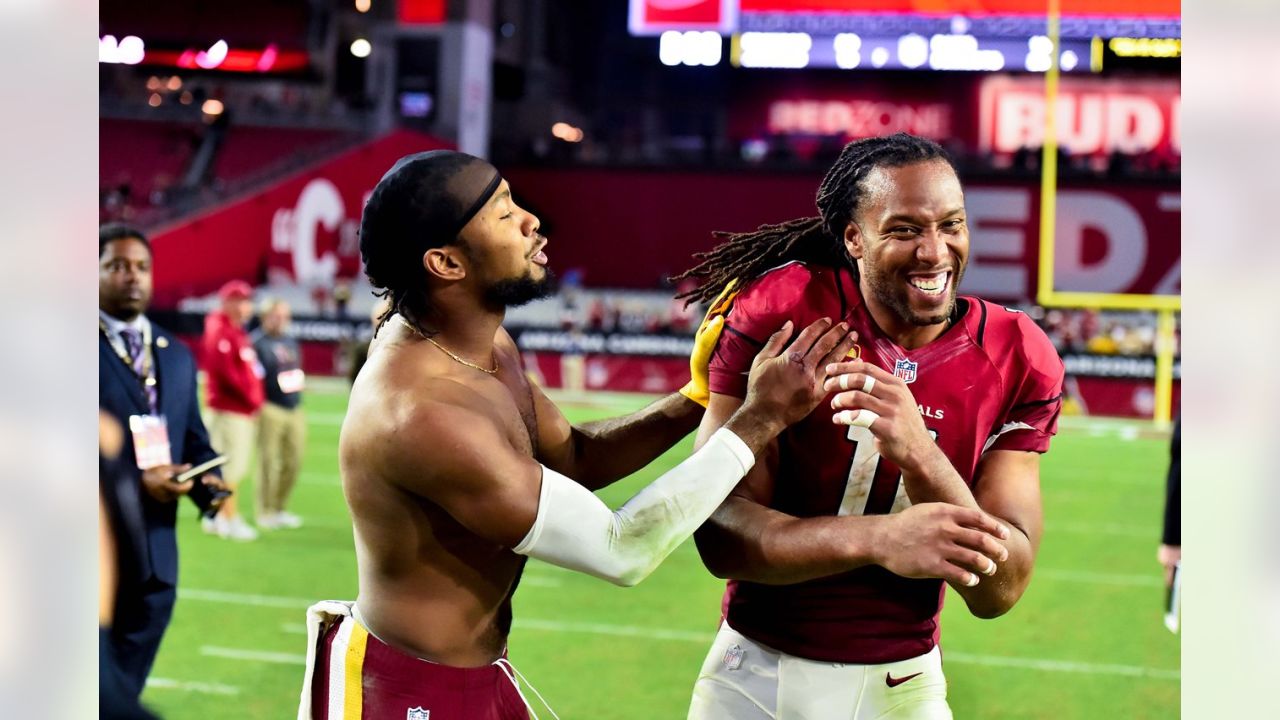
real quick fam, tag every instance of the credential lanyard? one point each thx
(147, 373)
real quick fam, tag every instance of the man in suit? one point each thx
(147, 380)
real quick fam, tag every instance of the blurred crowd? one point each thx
(1101, 332)
(1072, 331)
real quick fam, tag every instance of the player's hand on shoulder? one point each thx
(939, 540)
(786, 384)
(869, 396)
(159, 484)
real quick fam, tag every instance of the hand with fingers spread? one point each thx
(787, 385)
(868, 396)
(939, 540)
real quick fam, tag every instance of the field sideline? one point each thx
(1085, 642)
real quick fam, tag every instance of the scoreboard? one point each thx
(980, 35)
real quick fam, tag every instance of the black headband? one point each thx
(479, 203)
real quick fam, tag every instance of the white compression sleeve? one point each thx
(575, 530)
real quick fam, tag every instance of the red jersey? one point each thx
(231, 364)
(991, 381)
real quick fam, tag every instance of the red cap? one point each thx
(235, 290)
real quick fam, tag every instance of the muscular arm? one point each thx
(601, 452)
(458, 457)
(745, 539)
(1008, 488)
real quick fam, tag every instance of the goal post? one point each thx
(1047, 295)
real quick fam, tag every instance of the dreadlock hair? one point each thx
(819, 240)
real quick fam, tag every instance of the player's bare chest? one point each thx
(510, 400)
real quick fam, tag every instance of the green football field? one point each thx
(1086, 641)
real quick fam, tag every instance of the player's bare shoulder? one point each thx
(405, 419)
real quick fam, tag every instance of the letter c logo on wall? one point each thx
(293, 231)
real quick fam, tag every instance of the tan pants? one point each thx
(282, 434)
(232, 435)
(744, 680)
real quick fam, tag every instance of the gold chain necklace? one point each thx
(446, 350)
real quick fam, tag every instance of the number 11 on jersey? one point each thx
(872, 489)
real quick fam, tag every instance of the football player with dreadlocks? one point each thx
(838, 545)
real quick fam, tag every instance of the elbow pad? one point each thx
(575, 530)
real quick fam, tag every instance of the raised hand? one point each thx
(788, 385)
(868, 396)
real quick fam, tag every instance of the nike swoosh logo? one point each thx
(892, 681)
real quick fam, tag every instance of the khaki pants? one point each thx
(744, 680)
(282, 434)
(232, 435)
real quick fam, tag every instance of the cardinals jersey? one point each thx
(991, 381)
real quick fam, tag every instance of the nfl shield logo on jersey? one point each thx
(733, 657)
(418, 714)
(906, 370)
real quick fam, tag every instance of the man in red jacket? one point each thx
(233, 393)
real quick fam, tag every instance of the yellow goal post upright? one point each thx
(1047, 295)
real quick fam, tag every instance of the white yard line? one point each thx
(229, 598)
(319, 418)
(1118, 529)
(280, 601)
(1067, 666)
(705, 638)
(616, 630)
(277, 658)
(204, 688)
(1092, 578)
(319, 478)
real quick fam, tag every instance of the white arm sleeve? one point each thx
(575, 530)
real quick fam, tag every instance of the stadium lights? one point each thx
(213, 57)
(174, 84)
(689, 48)
(363, 5)
(774, 50)
(129, 50)
(212, 107)
(155, 100)
(361, 47)
(567, 132)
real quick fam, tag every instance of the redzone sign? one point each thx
(1094, 116)
(858, 118)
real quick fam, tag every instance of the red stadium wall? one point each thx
(629, 228)
(282, 225)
